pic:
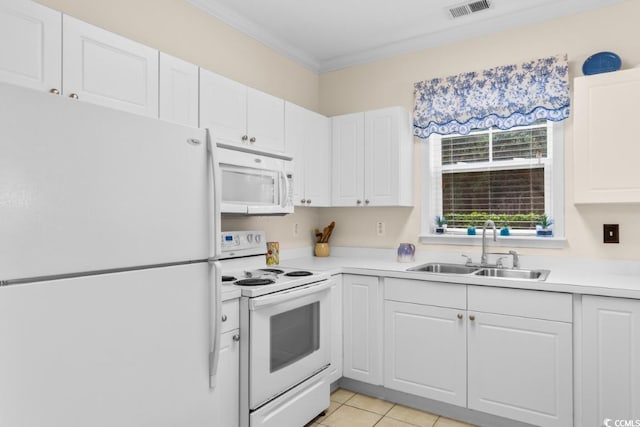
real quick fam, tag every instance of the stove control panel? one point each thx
(243, 243)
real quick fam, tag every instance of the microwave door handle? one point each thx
(215, 200)
(215, 294)
(279, 297)
(285, 195)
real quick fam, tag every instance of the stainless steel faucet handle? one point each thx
(516, 260)
(499, 262)
(469, 260)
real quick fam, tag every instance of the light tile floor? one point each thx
(350, 409)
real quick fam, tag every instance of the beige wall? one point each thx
(390, 82)
(176, 27)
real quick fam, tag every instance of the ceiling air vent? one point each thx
(468, 8)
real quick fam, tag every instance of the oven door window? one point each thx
(295, 334)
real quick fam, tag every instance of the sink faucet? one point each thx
(483, 258)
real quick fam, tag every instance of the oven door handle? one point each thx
(276, 298)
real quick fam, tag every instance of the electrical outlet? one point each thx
(380, 228)
(296, 229)
(611, 233)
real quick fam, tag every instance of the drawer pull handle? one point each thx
(224, 317)
(472, 317)
(236, 337)
(460, 316)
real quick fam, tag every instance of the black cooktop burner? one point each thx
(228, 278)
(254, 282)
(300, 273)
(272, 270)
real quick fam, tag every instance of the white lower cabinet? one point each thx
(226, 395)
(425, 351)
(335, 370)
(506, 352)
(521, 368)
(610, 360)
(362, 328)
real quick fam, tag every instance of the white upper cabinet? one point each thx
(372, 159)
(30, 45)
(178, 91)
(308, 139)
(107, 69)
(347, 187)
(605, 146)
(240, 116)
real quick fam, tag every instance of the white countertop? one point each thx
(578, 276)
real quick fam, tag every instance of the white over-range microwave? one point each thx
(254, 184)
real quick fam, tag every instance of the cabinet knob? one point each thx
(472, 317)
(245, 137)
(366, 202)
(358, 202)
(54, 91)
(253, 139)
(460, 316)
(73, 96)
(302, 201)
(236, 337)
(224, 317)
(309, 201)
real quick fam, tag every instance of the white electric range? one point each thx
(284, 334)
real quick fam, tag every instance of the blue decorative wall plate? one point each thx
(601, 62)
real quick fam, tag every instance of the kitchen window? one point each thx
(511, 176)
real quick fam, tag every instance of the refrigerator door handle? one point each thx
(215, 320)
(215, 200)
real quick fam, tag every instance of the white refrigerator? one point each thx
(109, 296)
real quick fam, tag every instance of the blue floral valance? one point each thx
(504, 97)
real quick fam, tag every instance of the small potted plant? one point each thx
(441, 224)
(471, 229)
(504, 229)
(543, 229)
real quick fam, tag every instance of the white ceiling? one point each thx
(326, 35)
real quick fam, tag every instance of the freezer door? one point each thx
(124, 349)
(85, 188)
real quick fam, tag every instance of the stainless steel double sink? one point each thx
(462, 269)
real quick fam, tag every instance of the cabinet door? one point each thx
(107, 69)
(426, 351)
(318, 161)
(30, 45)
(362, 328)
(605, 147)
(295, 134)
(265, 121)
(223, 108)
(610, 359)
(387, 168)
(308, 139)
(347, 186)
(521, 368)
(226, 395)
(335, 370)
(178, 91)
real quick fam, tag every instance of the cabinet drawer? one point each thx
(230, 312)
(521, 302)
(424, 292)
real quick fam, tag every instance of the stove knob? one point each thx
(258, 238)
(249, 238)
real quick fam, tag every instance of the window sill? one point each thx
(503, 241)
